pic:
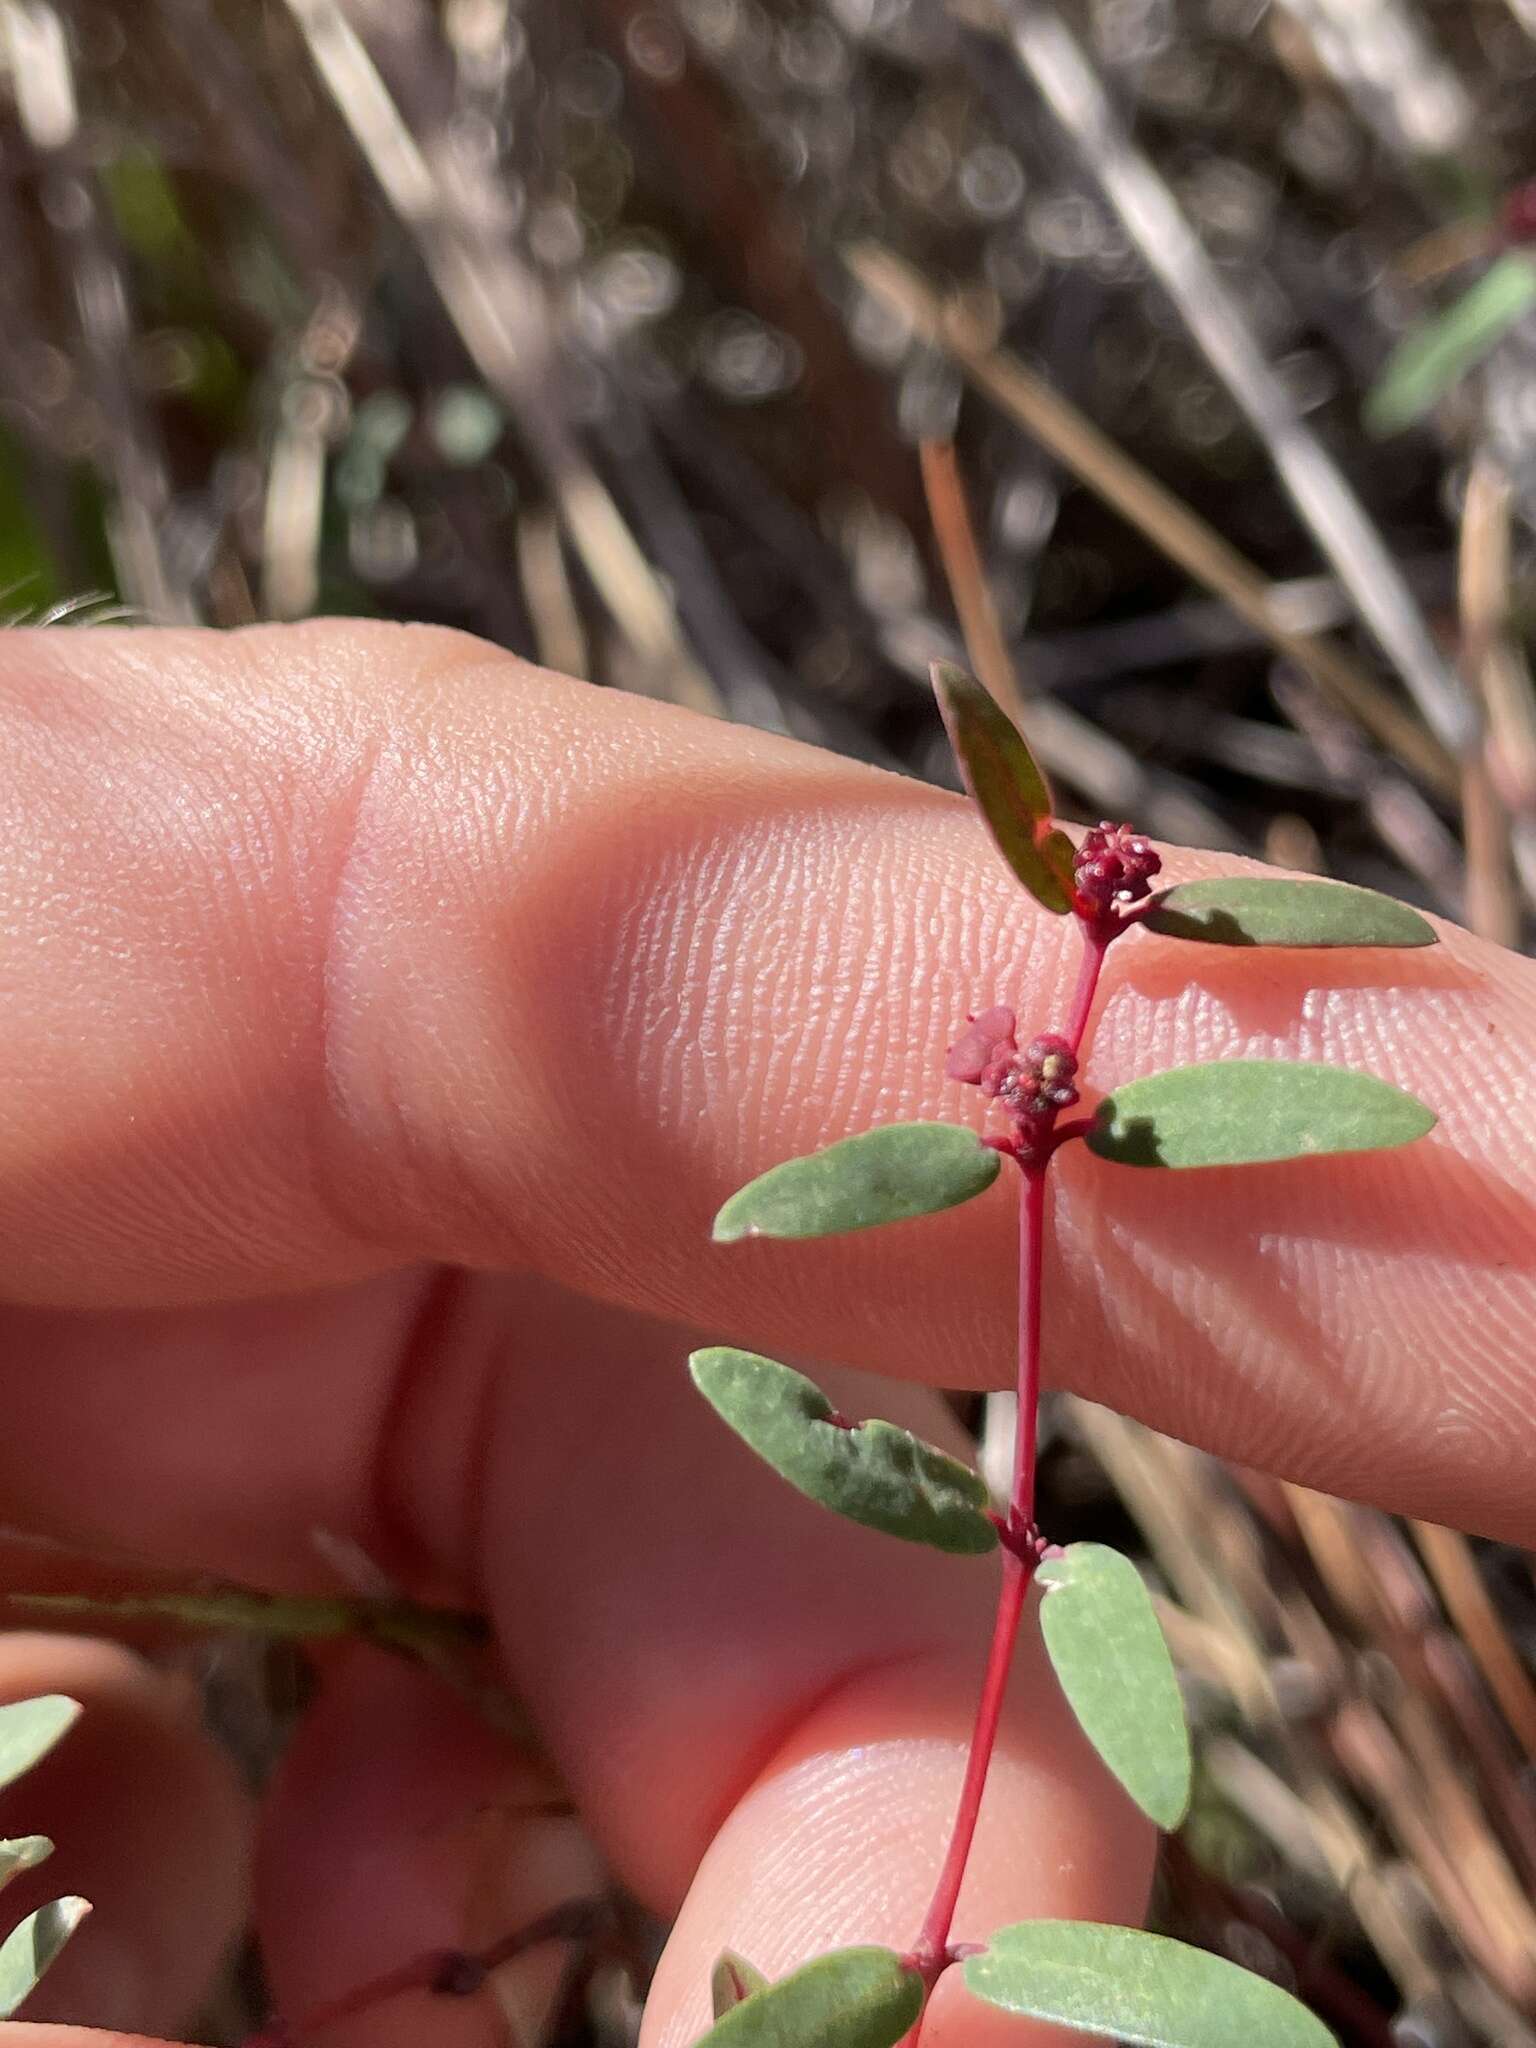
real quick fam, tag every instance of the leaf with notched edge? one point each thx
(872, 1472)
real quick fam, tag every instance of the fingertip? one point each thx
(839, 1842)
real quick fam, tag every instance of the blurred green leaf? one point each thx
(732, 1980)
(872, 1472)
(1108, 1652)
(1434, 357)
(28, 1949)
(1260, 910)
(467, 423)
(1242, 1112)
(29, 579)
(1135, 1987)
(1006, 785)
(30, 1728)
(853, 1998)
(884, 1176)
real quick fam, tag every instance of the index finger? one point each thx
(329, 948)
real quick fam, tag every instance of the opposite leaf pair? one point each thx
(1114, 1981)
(1100, 1631)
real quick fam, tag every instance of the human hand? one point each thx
(383, 1021)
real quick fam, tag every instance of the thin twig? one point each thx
(1166, 521)
(134, 467)
(975, 608)
(1495, 675)
(1317, 487)
(497, 305)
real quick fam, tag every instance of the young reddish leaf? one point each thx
(852, 1998)
(1006, 786)
(1263, 910)
(1242, 1112)
(883, 1176)
(1108, 1652)
(732, 1980)
(28, 1949)
(1136, 1987)
(872, 1472)
(30, 1728)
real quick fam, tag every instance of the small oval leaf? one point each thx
(1435, 356)
(22, 1852)
(1243, 1112)
(1135, 1987)
(1109, 1655)
(732, 1980)
(1006, 786)
(1262, 910)
(853, 1998)
(29, 1948)
(871, 1472)
(884, 1176)
(30, 1728)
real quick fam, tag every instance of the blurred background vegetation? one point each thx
(610, 330)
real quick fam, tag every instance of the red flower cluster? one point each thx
(1114, 865)
(1031, 1085)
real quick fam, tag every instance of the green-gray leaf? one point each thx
(883, 1176)
(1139, 1988)
(22, 1852)
(1261, 910)
(1006, 786)
(1434, 357)
(1108, 1652)
(871, 1472)
(852, 1998)
(1241, 1112)
(28, 1949)
(29, 1729)
(732, 1980)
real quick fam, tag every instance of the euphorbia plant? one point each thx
(1099, 1627)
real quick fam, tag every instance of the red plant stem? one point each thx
(1026, 1434)
(1095, 945)
(931, 1951)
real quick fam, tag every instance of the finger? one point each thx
(713, 1659)
(23, 2035)
(395, 1793)
(148, 1824)
(385, 946)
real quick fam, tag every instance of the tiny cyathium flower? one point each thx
(1031, 1086)
(1114, 865)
